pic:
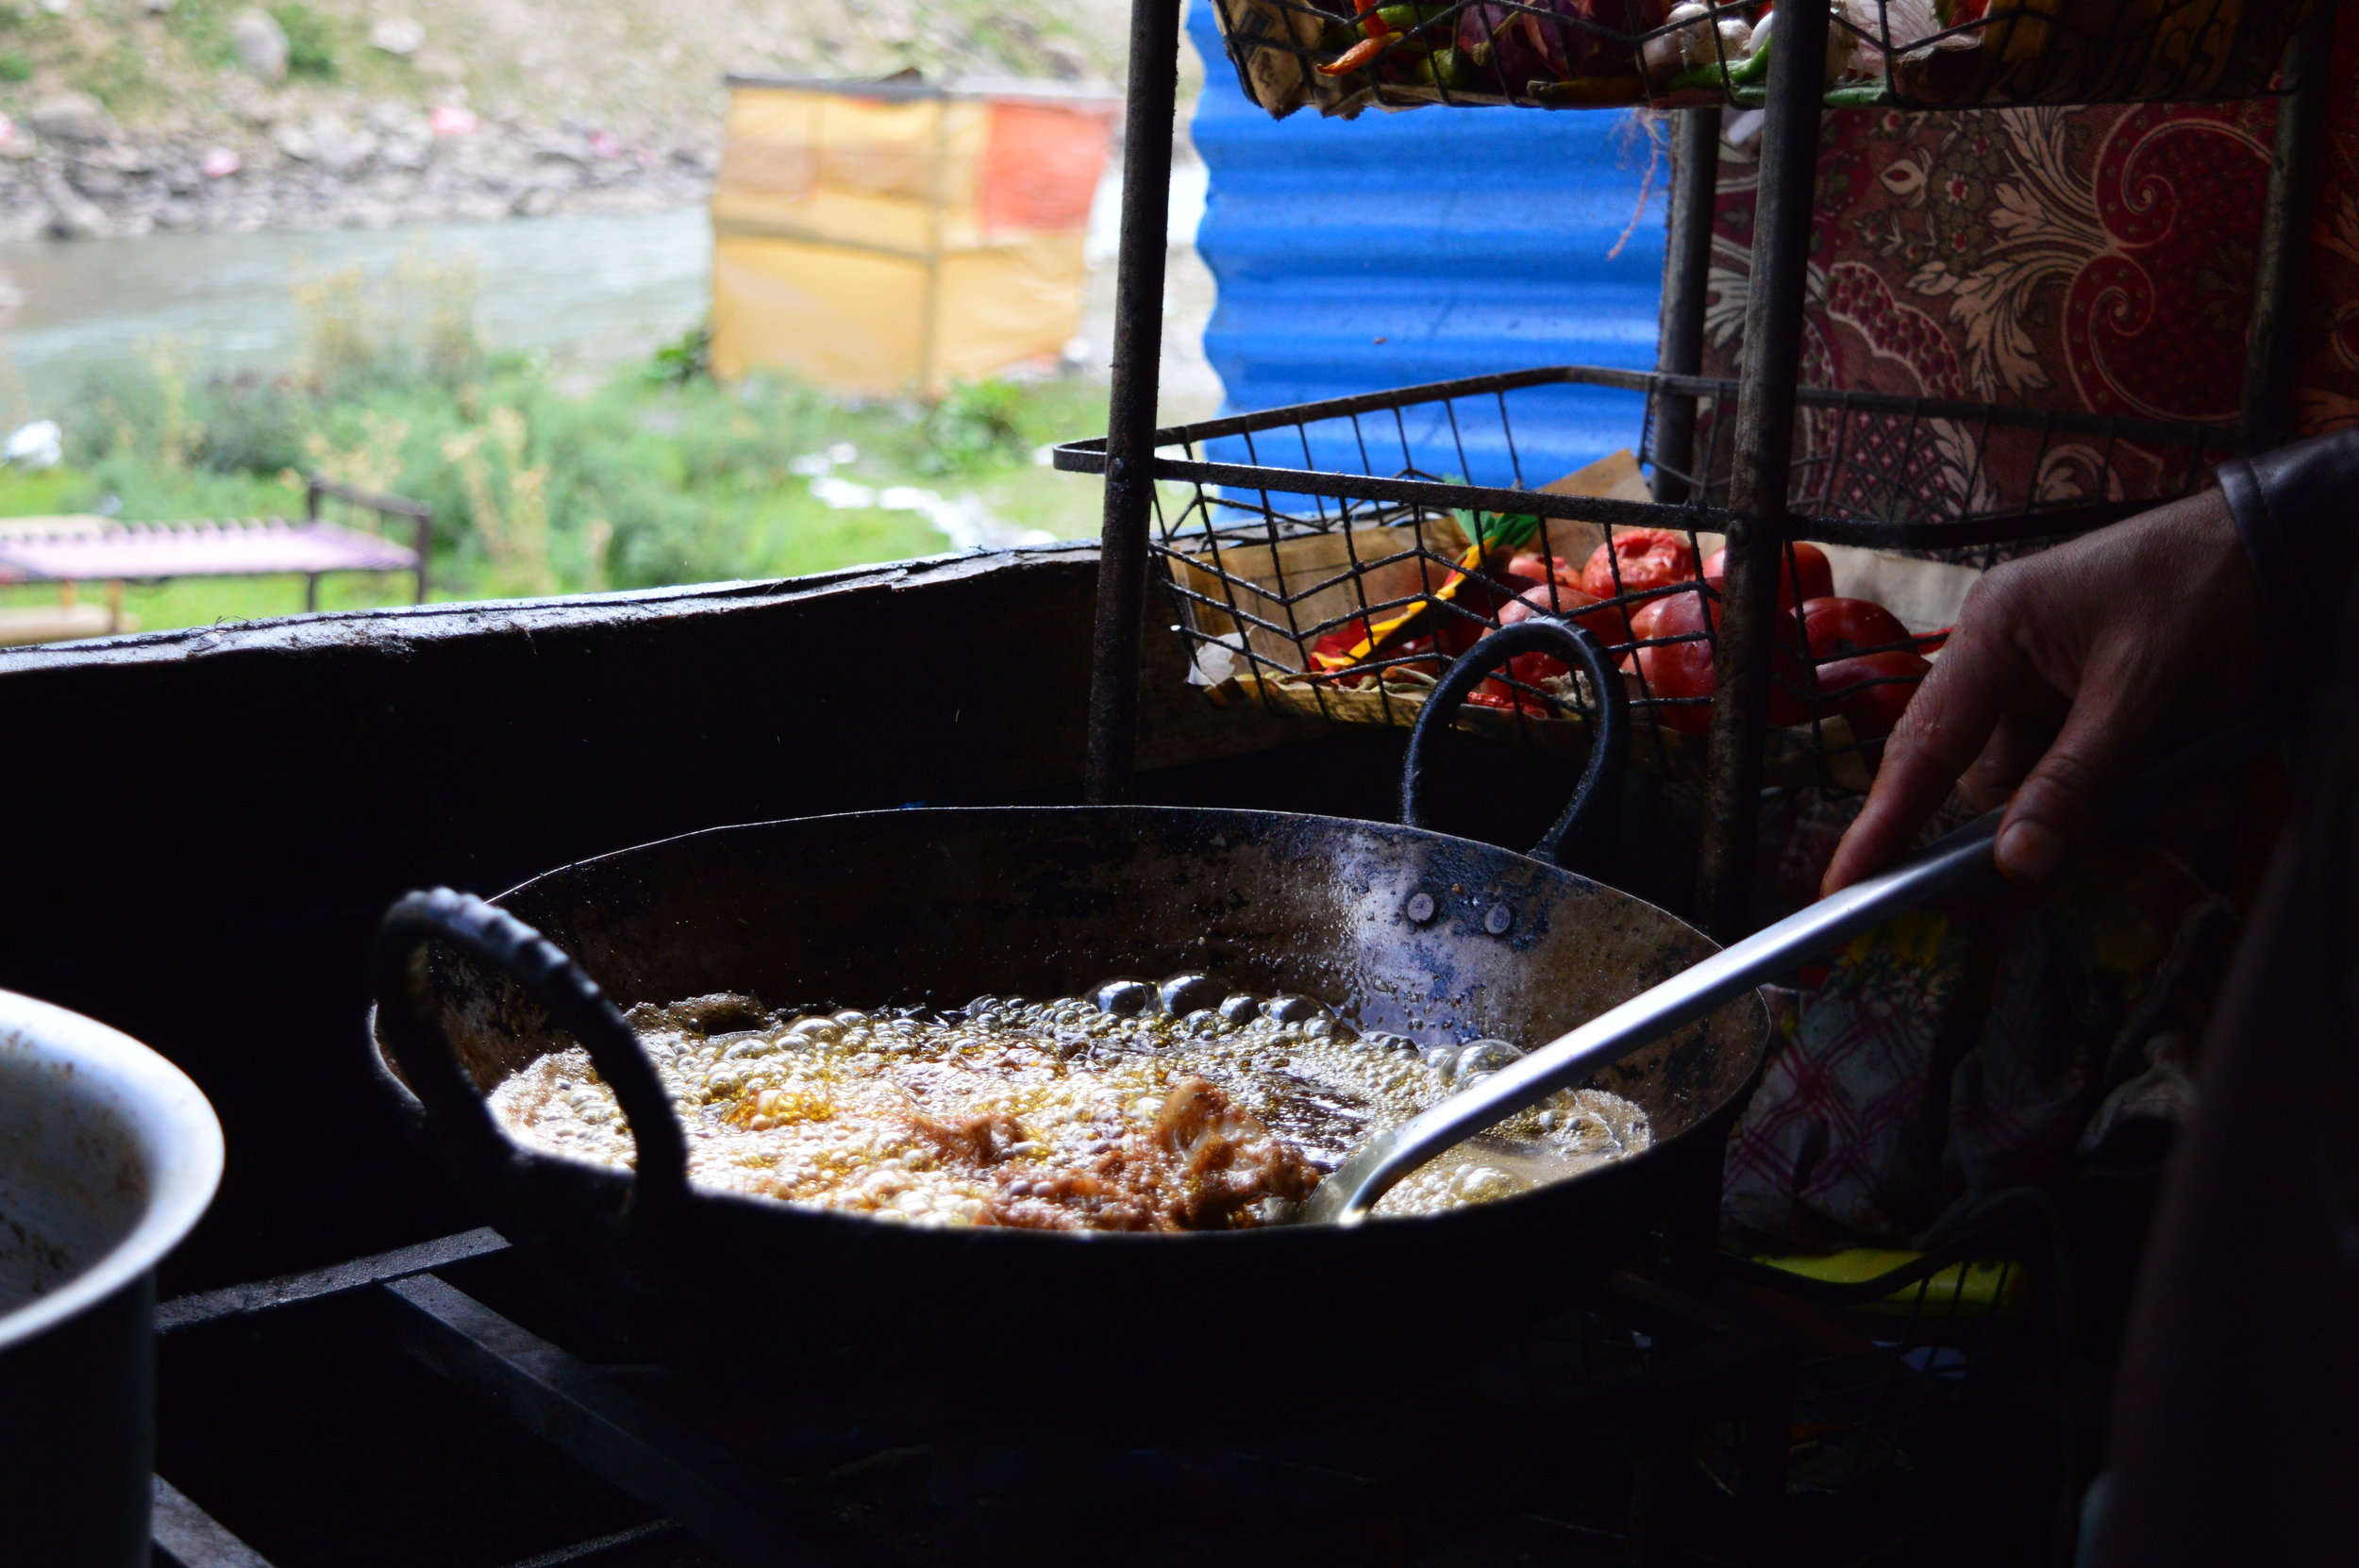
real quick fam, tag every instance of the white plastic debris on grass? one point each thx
(967, 523)
(842, 494)
(40, 444)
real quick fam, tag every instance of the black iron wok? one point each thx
(1406, 930)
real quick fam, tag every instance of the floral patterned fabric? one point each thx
(2098, 261)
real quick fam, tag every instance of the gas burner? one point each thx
(444, 1403)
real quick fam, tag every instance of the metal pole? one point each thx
(2271, 350)
(1766, 385)
(1130, 417)
(937, 197)
(1686, 276)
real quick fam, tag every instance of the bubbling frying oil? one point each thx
(1140, 1106)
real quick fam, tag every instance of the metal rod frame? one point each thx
(1768, 387)
(2273, 346)
(1686, 279)
(556, 1397)
(185, 1536)
(1757, 522)
(1711, 1354)
(1130, 417)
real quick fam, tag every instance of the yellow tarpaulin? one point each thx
(884, 238)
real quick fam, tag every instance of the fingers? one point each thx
(2014, 749)
(2059, 798)
(1946, 729)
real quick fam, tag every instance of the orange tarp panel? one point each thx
(1041, 168)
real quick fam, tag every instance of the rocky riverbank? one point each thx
(69, 170)
(137, 116)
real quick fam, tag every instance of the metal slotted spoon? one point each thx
(1348, 1195)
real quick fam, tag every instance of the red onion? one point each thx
(1507, 48)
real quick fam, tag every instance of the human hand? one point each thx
(2064, 668)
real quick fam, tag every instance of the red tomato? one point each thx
(1566, 601)
(1647, 620)
(1807, 575)
(1646, 558)
(1686, 669)
(1557, 598)
(1837, 628)
(1530, 669)
(1871, 690)
(1541, 568)
(1461, 621)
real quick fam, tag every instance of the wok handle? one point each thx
(410, 1025)
(1574, 832)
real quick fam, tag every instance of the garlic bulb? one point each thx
(1665, 55)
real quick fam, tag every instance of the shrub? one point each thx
(655, 477)
(311, 43)
(975, 426)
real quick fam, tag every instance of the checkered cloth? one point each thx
(1982, 1044)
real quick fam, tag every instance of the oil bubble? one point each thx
(1187, 993)
(1293, 1010)
(1123, 997)
(1479, 1059)
(1240, 1008)
(814, 1030)
(1486, 1184)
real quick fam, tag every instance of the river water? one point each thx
(593, 288)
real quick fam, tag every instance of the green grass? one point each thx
(659, 476)
(57, 490)
(208, 601)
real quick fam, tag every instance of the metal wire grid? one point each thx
(1289, 536)
(1342, 54)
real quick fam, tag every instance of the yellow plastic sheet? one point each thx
(903, 240)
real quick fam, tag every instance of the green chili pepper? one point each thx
(1402, 19)
(1858, 96)
(1753, 67)
(1443, 68)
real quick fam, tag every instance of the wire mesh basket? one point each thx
(1329, 558)
(1343, 54)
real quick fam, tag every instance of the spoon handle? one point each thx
(1346, 1197)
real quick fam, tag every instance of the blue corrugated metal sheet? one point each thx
(1397, 248)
